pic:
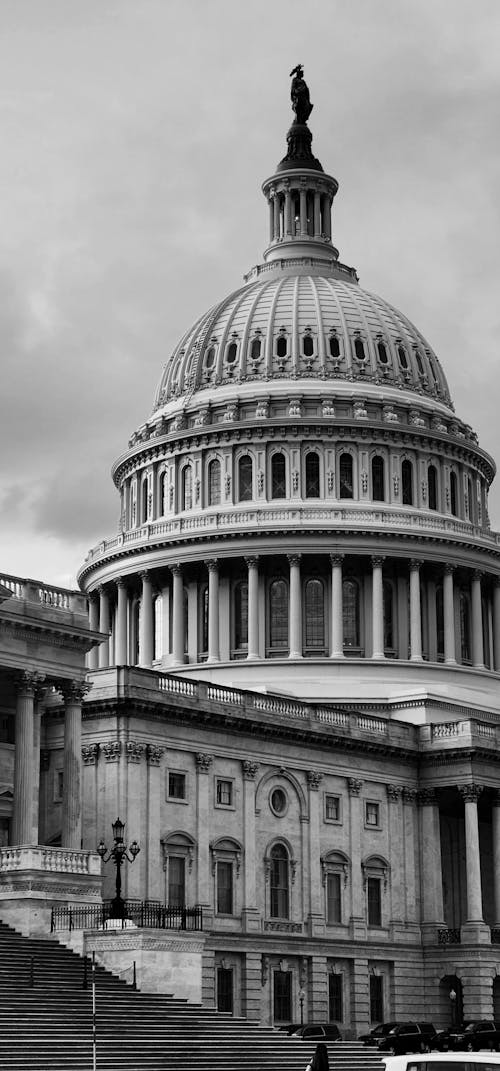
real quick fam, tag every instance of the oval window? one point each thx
(231, 353)
(278, 801)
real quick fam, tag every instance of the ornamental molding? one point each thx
(153, 754)
(394, 793)
(203, 762)
(470, 793)
(354, 786)
(90, 754)
(249, 769)
(314, 779)
(134, 750)
(112, 750)
(139, 939)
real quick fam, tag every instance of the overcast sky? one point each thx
(135, 135)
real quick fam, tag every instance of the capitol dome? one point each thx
(302, 499)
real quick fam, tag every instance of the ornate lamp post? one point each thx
(118, 853)
(302, 994)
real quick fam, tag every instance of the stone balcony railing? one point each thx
(468, 733)
(49, 860)
(293, 517)
(35, 591)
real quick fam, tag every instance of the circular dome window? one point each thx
(278, 802)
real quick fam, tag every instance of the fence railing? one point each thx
(150, 914)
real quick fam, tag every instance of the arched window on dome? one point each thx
(407, 483)
(278, 617)
(453, 494)
(282, 346)
(308, 345)
(345, 476)
(209, 357)
(389, 627)
(382, 353)
(421, 370)
(433, 370)
(162, 494)
(144, 501)
(334, 347)
(278, 476)
(465, 630)
(279, 882)
(245, 478)
(187, 487)
(403, 358)
(312, 474)
(214, 483)
(202, 622)
(255, 349)
(359, 349)
(378, 479)
(351, 615)
(432, 482)
(240, 619)
(231, 353)
(314, 614)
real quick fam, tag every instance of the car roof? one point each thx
(400, 1063)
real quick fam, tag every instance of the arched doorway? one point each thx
(451, 1005)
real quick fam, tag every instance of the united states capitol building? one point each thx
(293, 648)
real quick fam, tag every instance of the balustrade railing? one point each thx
(449, 936)
(148, 914)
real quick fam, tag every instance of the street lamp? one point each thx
(302, 994)
(118, 853)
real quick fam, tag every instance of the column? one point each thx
(337, 622)
(271, 218)
(415, 612)
(22, 812)
(432, 620)
(146, 630)
(104, 626)
(477, 620)
(316, 913)
(93, 655)
(250, 914)
(327, 217)
(430, 865)
(73, 693)
(496, 624)
(495, 823)
(410, 877)
(394, 793)
(288, 212)
(213, 611)
(121, 623)
(358, 916)
(295, 608)
(317, 214)
(203, 764)
(377, 608)
(470, 795)
(303, 211)
(276, 210)
(253, 608)
(449, 615)
(178, 622)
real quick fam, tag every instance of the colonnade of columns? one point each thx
(420, 618)
(30, 690)
(300, 212)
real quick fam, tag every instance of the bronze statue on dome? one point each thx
(299, 93)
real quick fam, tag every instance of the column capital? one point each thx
(314, 779)
(394, 792)
(336, 559)
(212, 565)
(253, 562)
(89, 754)
(102, 589)
(416, 563)
(135, 750)
(203, 762)
(154, 754)
(377, 561)
(145, 574)
(496, 581)
(176, 569)
(112, 749)
(449, 569)
(470, 793)
(477, 574)
(294, 559)
(120, 582)
(29, 683)
(427, 797)
(73, 691)
(249, 769)
(410, 795)
(354, 785)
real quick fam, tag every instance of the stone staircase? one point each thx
(46, 1023)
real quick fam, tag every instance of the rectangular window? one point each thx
(224, 793)
(335, 998)
(224, 888)
(282, 996)
(333, 900)
(176, 881)
(374, 902)
(376, 999)
(372, 814)
(332, 808)
(176, 789)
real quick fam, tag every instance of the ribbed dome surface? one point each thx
(296, 325)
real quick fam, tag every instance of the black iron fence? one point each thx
(150, 914)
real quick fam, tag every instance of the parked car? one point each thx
(319, 1031)
(439, 1060)
(376, 1033)
(408, 1037)
(289, 1028)
(474, 1035)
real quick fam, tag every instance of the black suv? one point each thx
(319, 1031)
(376, 1033)
(408, 1037)
(474, 1035)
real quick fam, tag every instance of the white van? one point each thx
(444, 1061)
